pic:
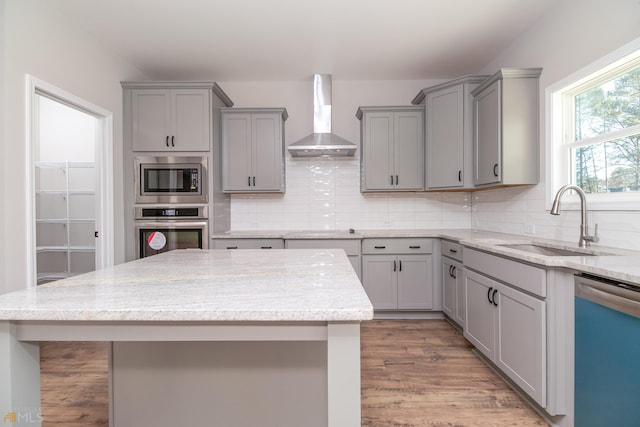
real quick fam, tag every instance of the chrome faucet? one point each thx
(585, 239)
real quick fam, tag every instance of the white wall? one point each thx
(41, 42)
(573, 35)
(3, 128)
(325, 194)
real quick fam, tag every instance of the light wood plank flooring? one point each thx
(414, 373)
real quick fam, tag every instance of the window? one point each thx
(595, 131)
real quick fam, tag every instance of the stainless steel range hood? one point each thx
(322, 142)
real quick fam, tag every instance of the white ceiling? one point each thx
(289, 40)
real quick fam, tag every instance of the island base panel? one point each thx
(220, 383)
(19, 379)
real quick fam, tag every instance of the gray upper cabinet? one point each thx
(171, 119)
(253, 150)
(392, 148)
(505, 128)
(449, 133)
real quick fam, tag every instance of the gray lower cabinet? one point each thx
(453, 298)
(392, 148)
(350, 246)
(253, 150)
(505, 128)
(397, 274)
(248, 244)
(506, 318)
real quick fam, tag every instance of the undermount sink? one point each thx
(550, 250)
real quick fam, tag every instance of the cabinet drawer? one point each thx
(524, 276)
(350, 246)
(452, 250)
(397, 246)
(248, 244)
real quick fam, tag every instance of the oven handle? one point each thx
(170, 223)
(614, 296)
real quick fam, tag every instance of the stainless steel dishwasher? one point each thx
(607, 353)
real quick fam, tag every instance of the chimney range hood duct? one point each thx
(322, 142)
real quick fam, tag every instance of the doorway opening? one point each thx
(70, 165)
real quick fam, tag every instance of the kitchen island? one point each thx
(202, 338)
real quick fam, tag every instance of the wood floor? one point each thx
(414, 373)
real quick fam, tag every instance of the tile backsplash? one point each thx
(324, 194)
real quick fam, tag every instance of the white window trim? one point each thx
(556, 153)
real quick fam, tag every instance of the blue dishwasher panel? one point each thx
(607, 366)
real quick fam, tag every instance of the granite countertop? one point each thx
(203, 285)
(613, 263)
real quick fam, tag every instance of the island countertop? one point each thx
(203, 285)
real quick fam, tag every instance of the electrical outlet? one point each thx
(530, 229)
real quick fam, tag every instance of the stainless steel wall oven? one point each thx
(161, 229)
(171, 179)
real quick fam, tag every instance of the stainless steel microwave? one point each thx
(171, 179)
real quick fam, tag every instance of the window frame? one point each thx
(561, 121)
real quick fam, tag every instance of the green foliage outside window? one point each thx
(611, 163)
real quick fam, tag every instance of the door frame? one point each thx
(104, 162)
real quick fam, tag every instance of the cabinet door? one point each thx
(191, 121)
(460, 308)
(521, 344)
(479, 324)
(380, 280)
(236, 152)
(408, 150)
(151, 120)
(378, 151)
(415, 285)
(445, 138)
(266, 152)
(449, 290)
(487, 137)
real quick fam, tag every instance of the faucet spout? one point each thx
(585, 239)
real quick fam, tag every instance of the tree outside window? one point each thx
(605, 146)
